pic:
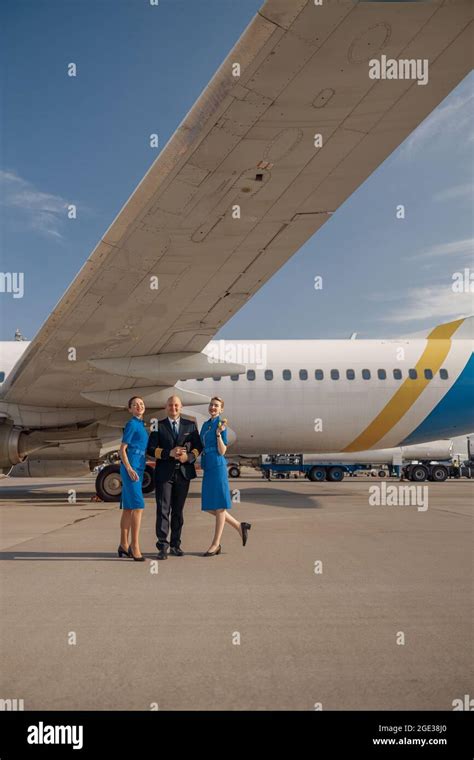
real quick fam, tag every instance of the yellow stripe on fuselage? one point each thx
(436, 351)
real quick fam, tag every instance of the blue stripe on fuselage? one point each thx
(453, 415)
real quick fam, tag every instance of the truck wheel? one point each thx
(335, 474)
(317, 474)
(438, 473)
(418, 473)
(234, 471)
(382, 473)
(108, 484)
(148, 484)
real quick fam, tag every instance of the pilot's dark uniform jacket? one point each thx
(171, 476)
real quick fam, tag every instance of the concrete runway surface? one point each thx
(255, 628)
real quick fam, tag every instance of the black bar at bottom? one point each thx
(423, 734)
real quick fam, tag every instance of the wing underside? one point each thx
(179, 260)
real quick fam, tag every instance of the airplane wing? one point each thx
(241, 185)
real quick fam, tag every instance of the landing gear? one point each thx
(108, 484)
(148, 485)
(234, 471)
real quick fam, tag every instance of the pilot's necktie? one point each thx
(175, 430)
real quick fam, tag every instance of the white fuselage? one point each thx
(310, 415)
(323, 395)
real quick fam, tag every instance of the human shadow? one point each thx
(64, 556)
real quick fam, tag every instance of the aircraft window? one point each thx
(251, 374)
(397, 374)
(303, 374)
(268, 374)
(412, 374)
(334, 374)
(381, 374)
(428, 374)
(216, 378)
(443, 373)
(350, 374)
(319, 374)
(200, 379)
(234, 377)
(366, 374)
(286, 374)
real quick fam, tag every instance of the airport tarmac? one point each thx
(255, 628)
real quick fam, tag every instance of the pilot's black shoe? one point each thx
(162, 554)
(176, 551)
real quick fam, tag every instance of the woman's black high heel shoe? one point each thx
(213, 554)
(245, 529)
(123, 552)
(137, 559)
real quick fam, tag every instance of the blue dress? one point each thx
(136, 436)
(215, 493)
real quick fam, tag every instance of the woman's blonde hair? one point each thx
(220, 400)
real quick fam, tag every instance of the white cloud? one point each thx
(456, 192)
(462, 248)
(44, 212)
(450, 120)
(434, 303)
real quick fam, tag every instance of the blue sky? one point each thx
(84, 140)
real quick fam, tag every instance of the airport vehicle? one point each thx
(281, 464)
(439, 468)
(426, 461)
(420, 471)
(175, 265)
(463, 462)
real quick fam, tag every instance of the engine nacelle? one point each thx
(54, 444)
(9, 446)
(44, 468)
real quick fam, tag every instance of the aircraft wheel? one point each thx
(234, 471)
(148, 485)
(108, 484)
